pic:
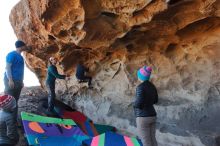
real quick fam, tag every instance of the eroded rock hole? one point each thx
(52, 38)
(52, 49)
(172, 2)
(63, 33)
(170, 49)
(112, 15)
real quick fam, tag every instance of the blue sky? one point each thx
(7, 39)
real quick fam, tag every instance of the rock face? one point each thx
(179, 39)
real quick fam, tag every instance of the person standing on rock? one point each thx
(14, 74)
(8, 129)
(146, 97)
(52, 75)
(80, 74)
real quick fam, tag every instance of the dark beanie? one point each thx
(19, 44)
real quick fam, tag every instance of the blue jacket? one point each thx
(17, 65)
(8, 128)
(146, 97)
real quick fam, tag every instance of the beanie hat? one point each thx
(144, 73)
(19, 44)
(7, 102)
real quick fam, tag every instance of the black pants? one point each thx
(86, 79)
(6, 145)
(16, 91)
(51, 95)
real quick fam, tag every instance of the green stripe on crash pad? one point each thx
(42, 119)
(102, 140)
(135, 142)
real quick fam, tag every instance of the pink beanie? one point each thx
(144, 73)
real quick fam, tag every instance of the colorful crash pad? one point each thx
(58, 141)
(86, 125)
(82, 121)
(37, 127)
(112, 139)
(37, 118)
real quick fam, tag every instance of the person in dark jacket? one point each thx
(80, 74)
(52, 75)
(146, 97)
(8, 129)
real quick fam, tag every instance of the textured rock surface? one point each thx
(179, 39)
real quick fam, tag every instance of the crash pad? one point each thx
(112, 139)
(36, 127)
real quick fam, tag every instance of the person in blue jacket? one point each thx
(146, 97)
(14, 73)
(52, 75)
(8, 129)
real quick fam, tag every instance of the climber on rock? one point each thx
(81, 71)
(52, 75)
(146, 97)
